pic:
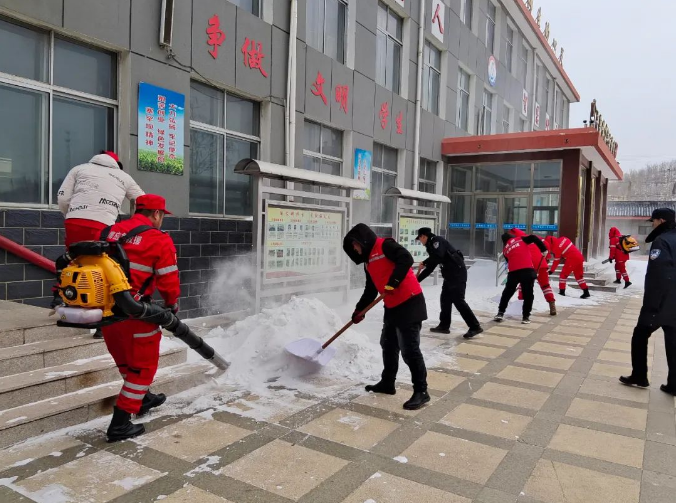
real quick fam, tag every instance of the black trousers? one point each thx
(525, 278)
(639, 351)
(453, 294)
(404, 337)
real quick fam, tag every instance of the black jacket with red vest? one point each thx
(387, 263)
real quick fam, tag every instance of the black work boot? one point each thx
(562, 291)
(381, 387)
(667, 389)
(440, 330)
(150, 401)
(632, 380)
(627, 284)
(98, 334)
(472, 332)
(417, 400)
(585, 295)
(617, 281)
(121, 428)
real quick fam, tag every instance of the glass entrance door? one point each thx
(486, 227)
(514, 213)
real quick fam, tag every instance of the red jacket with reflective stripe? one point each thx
(536, 255)
(616, 251)
(518, 255)
(380, 269)
(563, 248)
(151, 254)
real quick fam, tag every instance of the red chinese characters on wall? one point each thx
(161, 114)
(253, 55)
(318, 88)
(384, 114)
(150, 136)
(342, 95)
(400, 123)
(216, 35)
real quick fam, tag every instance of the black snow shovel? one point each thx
(314, 351)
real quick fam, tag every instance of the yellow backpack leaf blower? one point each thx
(92, 282)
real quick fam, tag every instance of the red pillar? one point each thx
(570, 194)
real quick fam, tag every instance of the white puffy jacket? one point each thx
(96, 190)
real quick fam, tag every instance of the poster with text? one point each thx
(161, 113)
(302, 242)
(408, 231)
(362, 172)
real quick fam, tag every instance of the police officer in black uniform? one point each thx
(454, 272)
(659, 300)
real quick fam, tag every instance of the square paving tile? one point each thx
(614, 390)
(350, 428)
(559, 349)
(608, 370)
(540, 377)
(442, 381)
(467, 348)
(392, 403)
(489, 421)
(599, 445)
(496, 340)
(553, 482)
(580, 324)
(23, 454)
(96, 478)
(567, 339)
(568, 330)
(385, 488)
(464, 364)
(661, 458)
(455, 456)
(191, 494)
(302, 470)
(607, 413)
(618, 357)
(511, 395)
(193, 438)
(587, 317)
(625, 346)
(545, 361)
(514, 332)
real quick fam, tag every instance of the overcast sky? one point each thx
(622, 53)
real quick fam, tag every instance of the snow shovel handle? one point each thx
(350, 323)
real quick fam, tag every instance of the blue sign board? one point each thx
(552, 227)
(459, 225)
(486, 226)
(514, 226)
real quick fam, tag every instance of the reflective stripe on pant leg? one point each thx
(578, 271)
(143, 360)
(565, 271)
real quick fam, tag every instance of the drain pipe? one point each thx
(290, 110)
(418, 97)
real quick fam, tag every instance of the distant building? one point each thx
(631, 218)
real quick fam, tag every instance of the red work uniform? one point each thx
(540, 265)
(563, 248)
(135, 345)
(380, 269)
(80, 229)
(618, 255)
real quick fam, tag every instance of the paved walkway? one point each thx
(528, 414)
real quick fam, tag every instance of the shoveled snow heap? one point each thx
(255, 348)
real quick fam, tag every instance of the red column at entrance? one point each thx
(570, 194)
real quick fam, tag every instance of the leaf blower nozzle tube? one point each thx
(155, 314)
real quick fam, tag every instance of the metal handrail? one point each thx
(500, 268)
(26, 254)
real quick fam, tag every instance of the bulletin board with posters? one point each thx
(408, 231)
(302, 241)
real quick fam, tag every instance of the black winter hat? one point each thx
(425, 231)
(664, 214)
(365, 237)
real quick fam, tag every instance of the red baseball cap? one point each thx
(113, 155)
(152, 202)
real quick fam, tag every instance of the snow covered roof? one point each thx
(636, 208)
(416, 195)
(263, 169)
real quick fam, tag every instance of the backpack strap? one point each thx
(123, 260)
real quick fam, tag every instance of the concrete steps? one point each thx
(22, 324)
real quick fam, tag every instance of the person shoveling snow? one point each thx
(387, 266)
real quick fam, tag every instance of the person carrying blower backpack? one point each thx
(620, 257)
(135, 345)
(387, 266)
(564, 248)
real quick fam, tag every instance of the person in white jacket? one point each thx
(90, 199)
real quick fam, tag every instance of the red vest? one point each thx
(517, 254)
(535, 253)
(380, 269)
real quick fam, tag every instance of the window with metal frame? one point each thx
(485, 122)
(509, 49)
(326, 22)
(536, 93)
(252, 6)
(59, 99)
(383, 176)
(427, 179)
(466, 12)
(506, 118)
(431, 78)
(389, 48)
(224, 129)
(491, 16)
(524, 53)
(322, 152)
(462, 120)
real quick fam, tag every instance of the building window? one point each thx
(73, 107)
(389, 49)
(644, 230)
(523, 64)
(322, 152)
(564, 112)
(462, 120)
(326, 22)
(506, 114)
(536, 94)
(432, 78)
(509, 46)
(427, 179)
(383, 176)
(485, 125)
(492, 15)
(252, 6)
(466, 8)
(224, 129)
